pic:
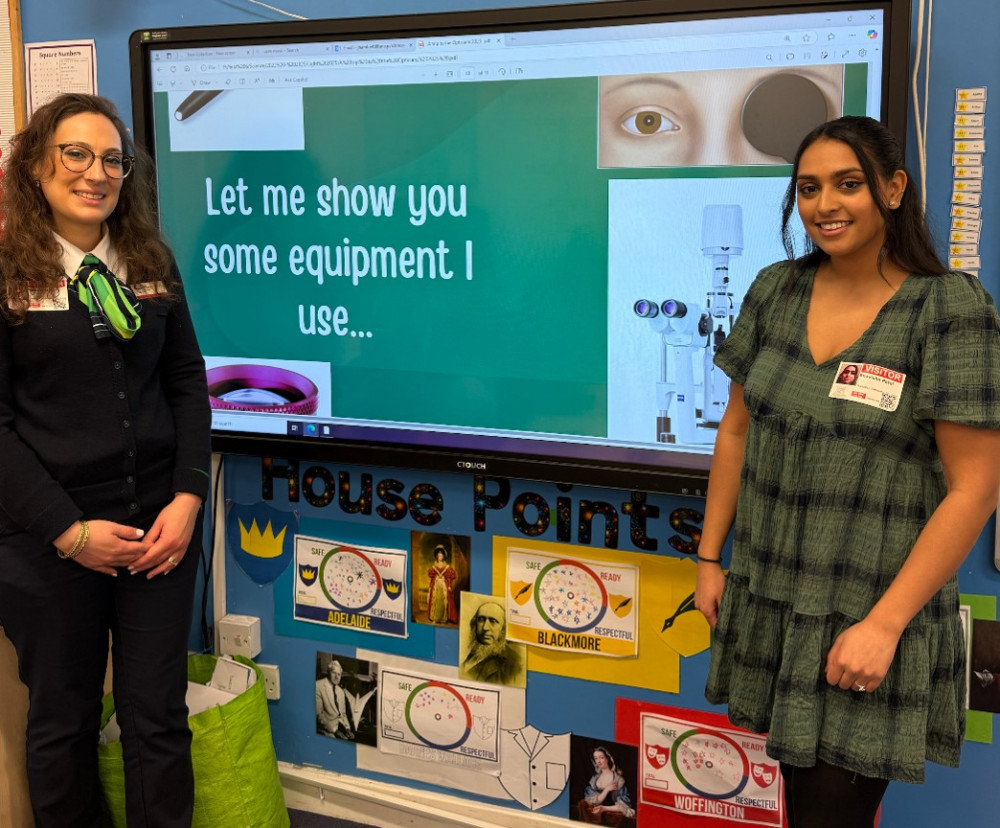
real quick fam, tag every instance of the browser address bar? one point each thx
(296, 64)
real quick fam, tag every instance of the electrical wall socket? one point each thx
(239, 635)
(272, 681)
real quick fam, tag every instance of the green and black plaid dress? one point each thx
(833, 495)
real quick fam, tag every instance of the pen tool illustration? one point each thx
(195, 102)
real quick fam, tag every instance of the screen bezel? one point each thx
(647, 469)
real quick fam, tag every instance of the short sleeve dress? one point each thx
(833, 494)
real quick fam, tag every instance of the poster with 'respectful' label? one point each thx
(572, 605)
(350, 586)
(439, 720)
(695, 768)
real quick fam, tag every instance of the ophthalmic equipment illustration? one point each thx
(690, 400)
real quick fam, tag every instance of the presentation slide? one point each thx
(552, 257)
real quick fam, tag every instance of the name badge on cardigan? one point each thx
(42, 300)
(147, 290)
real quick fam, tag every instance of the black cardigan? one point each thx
(99, 429)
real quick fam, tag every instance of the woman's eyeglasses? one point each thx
(80, 159)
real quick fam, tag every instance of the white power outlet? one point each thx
(272, 681)
(239, 635)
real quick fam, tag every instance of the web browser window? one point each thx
(508, 235)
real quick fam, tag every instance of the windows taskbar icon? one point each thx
(297, 428)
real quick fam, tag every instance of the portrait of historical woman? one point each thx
(439, 571)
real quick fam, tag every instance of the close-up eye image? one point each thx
(721, 117)
(649, 120)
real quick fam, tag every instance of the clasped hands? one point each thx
(114, 545)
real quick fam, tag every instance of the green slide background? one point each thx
(523, 345)
(516, 347)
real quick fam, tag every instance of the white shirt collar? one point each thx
(72, 256)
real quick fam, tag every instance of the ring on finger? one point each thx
(859, 688)
(172, 561)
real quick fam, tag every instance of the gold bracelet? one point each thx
(81, 543)
(75, 549)
(82, 536)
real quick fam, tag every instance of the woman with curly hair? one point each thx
(104, 465)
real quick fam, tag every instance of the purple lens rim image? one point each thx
(288, 383)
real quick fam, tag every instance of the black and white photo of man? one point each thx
(344, 688)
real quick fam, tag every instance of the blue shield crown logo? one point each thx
(261, 539)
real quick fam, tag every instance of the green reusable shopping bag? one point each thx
(236, 782)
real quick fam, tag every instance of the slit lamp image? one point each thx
(690, 400)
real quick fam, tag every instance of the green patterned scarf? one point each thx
(114, 310)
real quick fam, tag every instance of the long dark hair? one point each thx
(32, 257)
(908, 242)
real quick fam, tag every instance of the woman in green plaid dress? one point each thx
(857, 462)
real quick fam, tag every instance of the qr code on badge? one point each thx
(888, 402)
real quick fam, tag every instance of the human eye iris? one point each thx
(113, 161)
(648, 120)
(76, 153)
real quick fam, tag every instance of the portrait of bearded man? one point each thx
(489, 657)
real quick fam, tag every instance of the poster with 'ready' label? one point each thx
(350, 586)
(572, 605)
(695, 768)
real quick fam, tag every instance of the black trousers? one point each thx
(58, 615)
(826, 796)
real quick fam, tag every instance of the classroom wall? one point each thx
(14, 807)
(963, 54)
